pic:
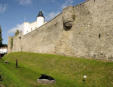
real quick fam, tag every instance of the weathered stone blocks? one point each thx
(68, 17)
(85, 30)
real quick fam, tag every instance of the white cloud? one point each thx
(67, 3)
(3, 8)
(25, 2)
(52, 15)
(18, 27)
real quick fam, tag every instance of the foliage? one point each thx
(0, 36)
(11, 42)
(68, 71)
(17, 32)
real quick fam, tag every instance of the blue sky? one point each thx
(14, 12)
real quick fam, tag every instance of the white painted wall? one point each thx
(28, 27)
(3, 50)
(33, 25)
(40, 21)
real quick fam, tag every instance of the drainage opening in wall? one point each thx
(99, 36)
(67, 25)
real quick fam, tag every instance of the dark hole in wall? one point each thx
(67, 26)
(19, 37)
(99, 35)
(101, 54)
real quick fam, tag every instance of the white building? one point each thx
(3, 50)
(28, 27)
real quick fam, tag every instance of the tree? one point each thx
(0, 36)
(17, 32)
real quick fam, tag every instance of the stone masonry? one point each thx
(85, 30)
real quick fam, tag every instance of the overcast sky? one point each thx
(14, 12)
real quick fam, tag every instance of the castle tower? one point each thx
(40, 19)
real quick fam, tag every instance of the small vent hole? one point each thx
(99, 35)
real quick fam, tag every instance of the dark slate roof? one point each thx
(40, 14)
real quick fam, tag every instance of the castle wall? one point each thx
(42, 39)
(85, 30)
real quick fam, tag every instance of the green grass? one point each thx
(68, 71)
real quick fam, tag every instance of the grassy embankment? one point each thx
(68, 71)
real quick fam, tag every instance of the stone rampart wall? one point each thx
(85, 30)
